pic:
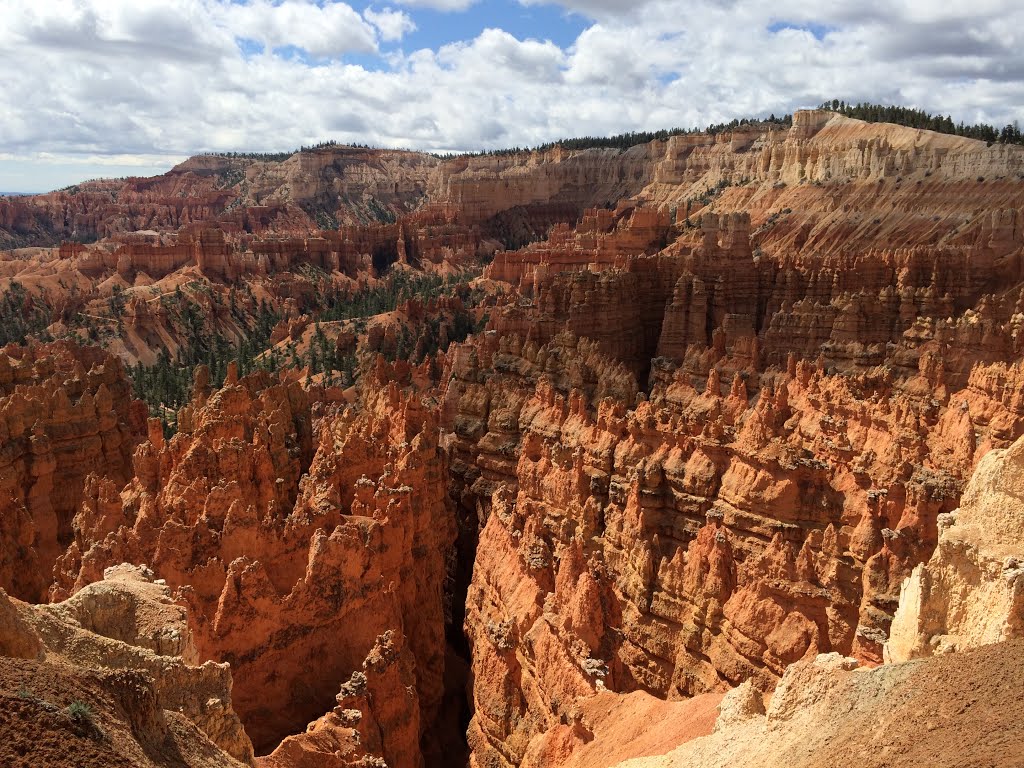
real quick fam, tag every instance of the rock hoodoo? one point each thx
(499, 460)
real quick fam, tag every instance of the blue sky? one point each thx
(544, 22)
(115, 87)
(434, 28)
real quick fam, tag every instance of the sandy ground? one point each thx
(964, 710)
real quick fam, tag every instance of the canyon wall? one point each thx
(64, 411)
(960, 618)
(799, 398)
(722, 409)
(689, 543)
(971, 592)
(326, 188)
(302, 536)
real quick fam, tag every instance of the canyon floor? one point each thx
(706, 451)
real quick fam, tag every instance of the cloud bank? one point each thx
(105, 79)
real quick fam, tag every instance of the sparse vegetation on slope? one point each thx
(22, 316)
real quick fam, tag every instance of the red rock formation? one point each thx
(283, 577)
(710, 299)
(121, 652)
(710, 539)
(705, 435)
(600, 239)
(376, 715)
(427, 239)
(65, 411)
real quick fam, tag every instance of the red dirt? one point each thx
(125, 727)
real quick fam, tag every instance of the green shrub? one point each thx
(80, 712)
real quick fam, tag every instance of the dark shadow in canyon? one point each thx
(444, 743)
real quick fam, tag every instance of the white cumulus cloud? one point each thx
(391, 24)
(111, 78)
(329, 30)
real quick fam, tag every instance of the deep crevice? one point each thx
(448, 745)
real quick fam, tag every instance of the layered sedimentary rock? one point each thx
(284, 576)
(829, 320)
(847, 183)
(709, 299)
(484, 187)
(425, 239)
(64, 411)
(825, 154)
(832, 237)
(126, 651)
(963, 607)
(375, 719)
(971, 592)
(600, 239)
(331, 186)
(691, 542)
(722, 401)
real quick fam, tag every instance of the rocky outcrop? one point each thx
(426, 239)
(823, 167)
(284, 576)
(939, 712)
(689, 543)
(971, 592)
(371, 719)
(826, 148)
(600, 239)
(125, 634)
(710, 298)
(65, 411)
(327, 187)
(965, 599)
(484, 187)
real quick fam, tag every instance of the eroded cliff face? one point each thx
(971, 592)
(960, 620)
(298, 585)
(809, 404)
(64, 410)
(708, 433)
(331, 186)
(694, 541)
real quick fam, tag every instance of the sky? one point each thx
(100, 88)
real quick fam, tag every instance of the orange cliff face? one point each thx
(426, 240)
(817, 393)
(600, 239)
(283, 577)
(692, 542)
(326, 188)
(706, 294)
(824, 168)
(64, 411)
(712, 424)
